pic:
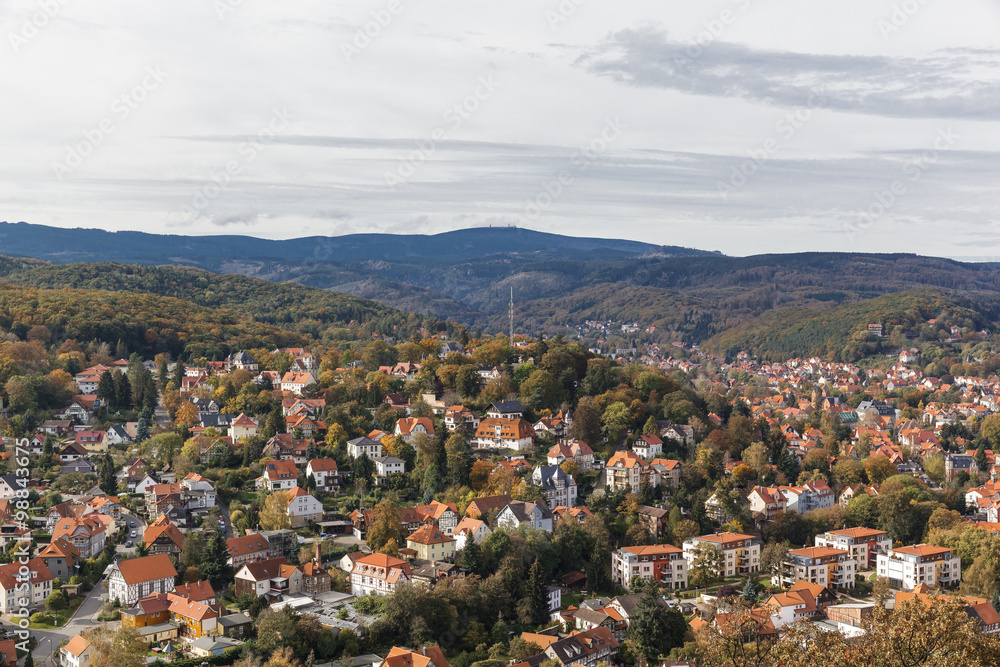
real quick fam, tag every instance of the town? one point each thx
(487, 502)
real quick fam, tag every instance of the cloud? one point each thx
(953, 83)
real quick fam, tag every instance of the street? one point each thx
(49, 640)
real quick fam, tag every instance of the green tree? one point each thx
(707, 564)
(56, 601)
(536, 599)
(459, 459)
(109, 481)
(214, 566)
(654, 630)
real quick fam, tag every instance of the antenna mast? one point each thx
(511, 312)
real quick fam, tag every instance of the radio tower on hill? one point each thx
(511, 313)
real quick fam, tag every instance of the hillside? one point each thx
(842, 332)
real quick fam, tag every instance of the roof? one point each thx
(429, 534)
(275, 470)
(248, 544)
(322, 465)
(406, 425)
(198, 591)
(147, 568)
(817, 552)
(505, 407)
(922, 550)
(628, 459)
(486, 504)
(580, 644)
(653, 550)
(162, 527)
(265, 569)
(401, 657)
(510, 429)
(857, 532)
(77, 645)
(725, 538)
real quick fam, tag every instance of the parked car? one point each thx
(128, 544)
(131, 524)
(133, 534)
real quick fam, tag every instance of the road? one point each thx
(49, 640)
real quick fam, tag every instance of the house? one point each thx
(430, 656)
(247, 549)
(359, 446)
(61, 558)
(95, 442)
(197, 491)
(587, 648)
(385, 466)
(825, 566)
(135, 578)
(163, 537)
(235, 626)
(531, 515)
(242, 361)
(668, 471)
(741, 553)
(379, 574)
(86, 533)
(296, 382)
(579, 513)
(625, 470)
(480, 507)
(57, 427)
(656, 520)
(117, 435)
(315, 579)
(199, 591)
(558, 487)
(503, 433)
(863, 544)
(808, 497)
(72, 452)
(76, 653)
(278, 476)
(908, 567)
(24, 585)
(648, 446)
(766, 502)
(303, 507)
(324, 473)
(470, 529)
(409, 427)
(574, 450)
(459, 415)
(12, 486)
(663, 563)
(430, 543)
(443, 515)
(161, 497)
(512, 410)
(272, 577)
(286, 448)
(242, 427)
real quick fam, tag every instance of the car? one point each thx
(128, 544)
(131, 524)
(133, 534)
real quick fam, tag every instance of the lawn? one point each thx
(61, 617)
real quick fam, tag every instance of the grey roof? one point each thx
(520, 509)
(217, 421)
(550, 477)
(363, 441)
(505, 406)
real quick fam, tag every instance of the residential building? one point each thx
(766, 502)
(480, 507)
(587, 648)
(668, 471)
(656, 520)
(741, 553)
(242, 427)
(458, 415)
(163, 537)
(378, 573)
(503, 433)
(303, 507)
(135, 578)
(61, 558)
(825, 566)
(864, 544)
(324, 473)
(558, 487)
(296, 382)
(443, 515)
(247, 549)
(626, 470)
(272, 577)
(86, 533)
(278, 476)
(430, 656)
(76, 653)
(531, 515)
(663, 563)
(385, 466)
(359, 446)
(410, 427)
(808, 497)
(14, 596)
(315, 579)
(574, 450)
(470, 529)
(505, 410)
(430, 543)
(648, 446)
(908, 567)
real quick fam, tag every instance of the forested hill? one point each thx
(184, 307)
(842, 332)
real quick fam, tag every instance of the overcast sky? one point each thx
(745, 126)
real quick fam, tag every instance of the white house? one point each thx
(324, 472)
(303, 507)
(278, 476)
(359, 446)
(906, 567)
(379, 574)
(467, 529)
(135, 578)
(532, 515)
(387, 465)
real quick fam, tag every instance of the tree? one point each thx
(467, 382)
(653, 628)
(536, 599)
(187, 415)
(106, 389)
(386, 525)
(121, 647)
(109, 481)
(459, 459)
(773, 557)
(981, 455)
(123, 391)
(56, 601)
(991, 431)
(616, 418)
(708, 563)
(757, 457)
(650, 427)
(363, 469)
(684, 530)
(214, 565)
(878, 468)
(274, 514)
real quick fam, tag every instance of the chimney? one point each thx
(424, 650)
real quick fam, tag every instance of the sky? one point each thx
(742, 126)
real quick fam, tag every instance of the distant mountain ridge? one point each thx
(63, 245)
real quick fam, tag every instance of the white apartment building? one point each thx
(741, 553)
(907, 567)
(825, 566)
(864, 544)
(664, 563)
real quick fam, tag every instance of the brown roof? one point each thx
(148, 568)
(198, 591)
(481, 506)
(265, 569)
(248, 544)
(77, 645)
